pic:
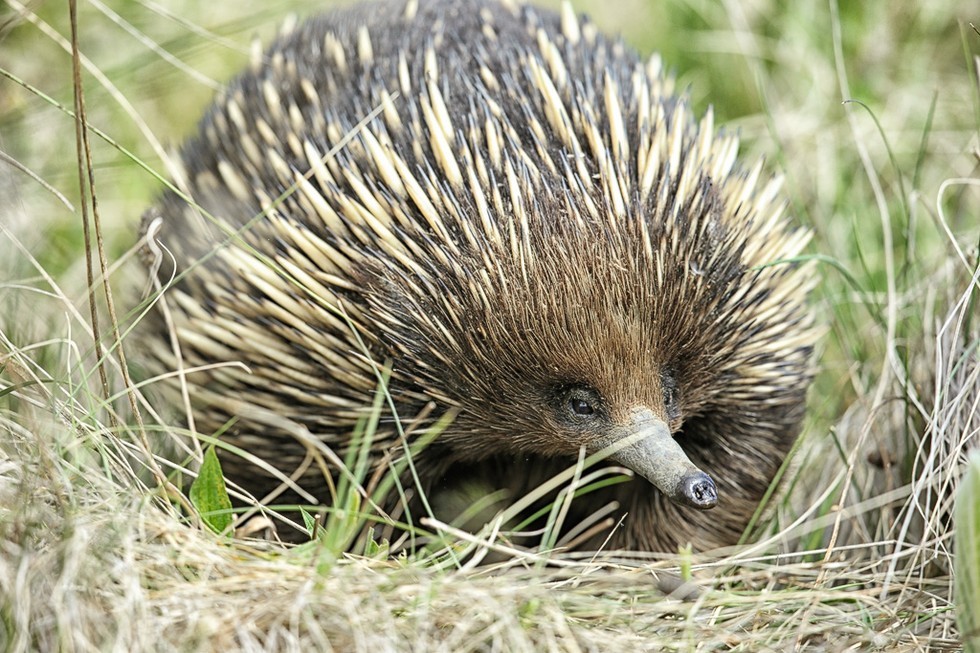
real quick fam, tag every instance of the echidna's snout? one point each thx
(651, 451)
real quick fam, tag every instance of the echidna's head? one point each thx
(652, 338)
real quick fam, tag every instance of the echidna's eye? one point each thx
(581, 407)
(582, 403)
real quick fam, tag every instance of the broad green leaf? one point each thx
(209, 494)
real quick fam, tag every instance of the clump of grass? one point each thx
(100, 545)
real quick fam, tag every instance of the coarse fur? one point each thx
(531, 214)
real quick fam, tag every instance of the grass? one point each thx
(872, 112)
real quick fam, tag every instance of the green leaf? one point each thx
(967, 573)
(375, 549)
(209, 494)
(309, 521)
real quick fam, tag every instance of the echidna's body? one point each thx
(533, 230)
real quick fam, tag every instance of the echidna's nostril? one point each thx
(698, 491)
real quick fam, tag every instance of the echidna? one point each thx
(527, 223)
